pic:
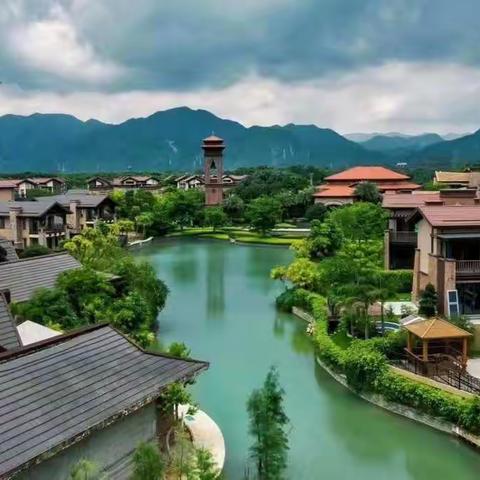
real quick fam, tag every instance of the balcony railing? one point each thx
(467, 267)
(409, 238)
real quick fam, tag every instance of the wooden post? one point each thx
(409, 342)
(465, 352)
(425, 350)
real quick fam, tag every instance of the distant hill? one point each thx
(391, 143)
(450, 154)
(166, 140)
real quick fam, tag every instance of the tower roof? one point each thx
(213, 139)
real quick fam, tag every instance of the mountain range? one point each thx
(170, 140)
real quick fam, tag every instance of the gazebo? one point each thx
(439, 338)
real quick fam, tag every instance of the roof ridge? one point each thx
(432, 321)
(54, 254)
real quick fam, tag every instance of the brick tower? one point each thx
(213, 164)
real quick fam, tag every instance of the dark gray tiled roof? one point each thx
(29, 208)
(56, 390)
(8, 332)
(9, 248)
(24, 277)
(85, 199)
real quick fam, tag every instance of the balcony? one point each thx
(467, 268)
(404, 238)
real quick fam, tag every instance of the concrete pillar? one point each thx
(16, 226)
(386, 246)
(416, 276)
(449, 283)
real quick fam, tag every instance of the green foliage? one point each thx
(403, 279)
(205, 465)
(174, 395)
(267, 426)
(325, 238)
(86, 470)
(368, 192)
(317, 211)
(34, 251)
(361, 363)
(263, 213)
(234, 207)
(428, 301)
(215, 217)
(301, 272)
(147, 462)
(360, 221)
(178, 349)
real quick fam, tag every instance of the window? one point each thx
(2, 222)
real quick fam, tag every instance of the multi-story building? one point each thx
(401, 236)
(23, 185)
(26, 223)
(187, 182)
(448, 256)
(339, 188)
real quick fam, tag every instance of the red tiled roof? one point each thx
(451, 216)
(368, 173)
(334, 191)
(409, 200)
(7, 184)
(398, 186)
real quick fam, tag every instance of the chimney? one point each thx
(75, 215)
(16, 226)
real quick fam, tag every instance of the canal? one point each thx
(221, 305)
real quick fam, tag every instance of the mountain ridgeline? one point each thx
(170, 141)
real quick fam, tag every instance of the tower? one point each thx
(213, 167)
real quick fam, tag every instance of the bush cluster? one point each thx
(365, 365)
(402, 278)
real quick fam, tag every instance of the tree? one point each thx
(324, 238)
(234, 207)
(206, 468)
(215, 217)
(268, 421)
(385, 287)
(263, 213)
(144, 220)
(360, 221)
(368, 192)
(178, 349)
(428, 301)
(174, 395)
(301, 272)
(86, 470)
(317, 211)
(147, 462)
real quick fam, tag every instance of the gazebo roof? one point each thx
(436, 328)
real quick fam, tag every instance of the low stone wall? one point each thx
(298, 312)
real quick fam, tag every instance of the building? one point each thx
(91, 393)
(469, 179)
(213, 148)
(20, 279)
(7, 190)
(85, 209)
(26, 223)
(23, 185)
(339, 188)
(401, 236)
(127, 182)
(187, 182)
(448, 256)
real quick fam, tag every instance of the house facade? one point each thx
(339, 189)
(448, 256)
(470, 179)
(401, 236)
(7, 190)
(187, 182)
(127, 182)
(89, 394)
(27, 223)
(24, 185)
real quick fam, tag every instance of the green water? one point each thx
(222, 305)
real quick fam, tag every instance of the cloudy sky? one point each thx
(352, 65)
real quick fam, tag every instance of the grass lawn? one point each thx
(341, 339)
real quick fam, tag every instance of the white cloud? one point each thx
(53, 46)
(407, 97)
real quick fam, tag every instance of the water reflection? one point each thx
(215, 282)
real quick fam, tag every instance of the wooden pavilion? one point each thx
(439, 340)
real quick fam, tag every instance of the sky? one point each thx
(352, 65)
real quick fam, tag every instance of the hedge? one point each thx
(365, 365)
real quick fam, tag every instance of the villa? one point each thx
(127, 182)
(23, 185)
(339, 188)
(90, 393)
(187, 182)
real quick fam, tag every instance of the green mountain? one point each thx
(401, 144)
(450, 154)
(166, 140)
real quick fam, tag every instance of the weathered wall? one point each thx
(109, 448)
(424, 244)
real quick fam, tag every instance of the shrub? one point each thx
(86, 470)
(35, 251)
(402, 278)
(428, 301)
(147, 462)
